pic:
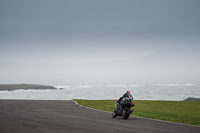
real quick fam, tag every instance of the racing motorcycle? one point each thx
(126, 108)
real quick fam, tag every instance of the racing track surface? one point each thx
(34, 116)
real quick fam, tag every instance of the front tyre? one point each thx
(126, 113)
(114, 114)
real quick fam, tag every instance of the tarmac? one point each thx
(54, 116)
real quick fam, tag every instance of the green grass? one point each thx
(187, 112)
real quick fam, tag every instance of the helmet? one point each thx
(128, 92)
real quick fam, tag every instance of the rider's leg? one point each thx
(120, 108)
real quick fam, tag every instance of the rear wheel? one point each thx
(114, 114)
(126, 113)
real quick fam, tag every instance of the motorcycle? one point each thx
(126, 108)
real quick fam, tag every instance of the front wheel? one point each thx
(126, 113)
(114, 114)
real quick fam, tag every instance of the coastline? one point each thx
(12, 87)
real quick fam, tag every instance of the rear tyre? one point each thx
(114, 114)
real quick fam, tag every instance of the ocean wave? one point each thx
(58, 87)
(34, 90)
(173, 85)
(135, 85)
(124, 86)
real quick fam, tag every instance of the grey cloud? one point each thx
(93, 39)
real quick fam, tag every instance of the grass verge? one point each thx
(186, 112)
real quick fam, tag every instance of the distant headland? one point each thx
(192, 99)
(12, 87)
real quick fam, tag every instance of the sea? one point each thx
(171, 92)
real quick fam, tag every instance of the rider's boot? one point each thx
(120, 109)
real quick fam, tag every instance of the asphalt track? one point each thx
(34, 116)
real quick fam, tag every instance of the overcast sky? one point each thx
(61, 42)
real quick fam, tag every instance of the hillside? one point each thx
(11, 87)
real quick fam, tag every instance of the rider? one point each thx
(127, 94)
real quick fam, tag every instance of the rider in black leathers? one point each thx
(127, 94)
